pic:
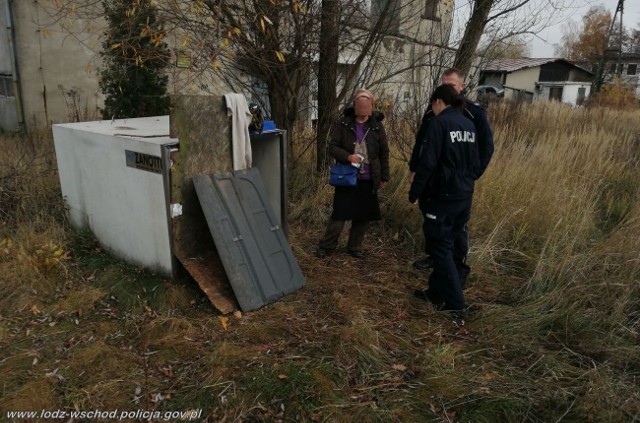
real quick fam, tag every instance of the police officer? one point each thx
(443, 182)
(484, 143)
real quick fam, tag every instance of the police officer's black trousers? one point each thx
(444, 223)
(460, 253)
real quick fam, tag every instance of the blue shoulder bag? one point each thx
(343, 175)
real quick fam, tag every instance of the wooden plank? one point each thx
(208, 272)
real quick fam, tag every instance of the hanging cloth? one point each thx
(241, 118)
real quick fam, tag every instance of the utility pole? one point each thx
(600, 71)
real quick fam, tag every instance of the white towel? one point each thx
(240, 141)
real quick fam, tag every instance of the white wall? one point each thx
(569, 91)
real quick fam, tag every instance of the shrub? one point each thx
(615, 95)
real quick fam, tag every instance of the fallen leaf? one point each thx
(34, 310)
(237, 314)
(282, 377)
(464, 331)
(399, 367)
(167, 371)
(224, 321)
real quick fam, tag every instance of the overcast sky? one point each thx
(552, 35)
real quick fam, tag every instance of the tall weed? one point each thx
(555, 247)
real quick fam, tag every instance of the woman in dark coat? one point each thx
(357, 138)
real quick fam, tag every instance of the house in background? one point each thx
(532, 79)
(625, 66)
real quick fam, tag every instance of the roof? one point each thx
(511, 65)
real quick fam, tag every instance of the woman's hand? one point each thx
(354, 158)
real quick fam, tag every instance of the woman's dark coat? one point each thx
(343, 141)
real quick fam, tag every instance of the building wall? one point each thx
(422, 30)
(414, 58)
(613, 69)
(569, 91)
(408, 89)
(5, 56)
(57, 72)
(523, 79)
(632, 81)
(8, 107)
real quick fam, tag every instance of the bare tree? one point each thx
(329, 51)
(473, 32)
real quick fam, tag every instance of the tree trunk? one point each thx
(283, 91)
(327, 78)
(472, 34)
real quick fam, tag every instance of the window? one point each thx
(612, 68)
(555, 93)
(582, 91)
(431, 10)
(390, 11)
(6, 86)
(632, 68)
(620, 67)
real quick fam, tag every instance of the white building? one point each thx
(532, 79)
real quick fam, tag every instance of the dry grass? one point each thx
(555, 294)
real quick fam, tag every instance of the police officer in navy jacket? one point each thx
(443, 183)
(484, 143)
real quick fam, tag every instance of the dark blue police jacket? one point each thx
(449, 162)
(478, 116)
